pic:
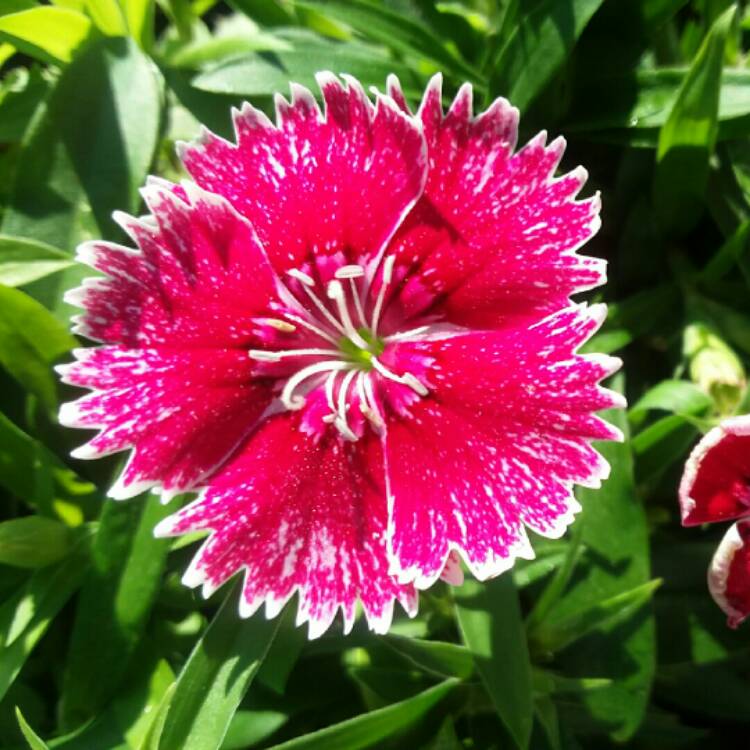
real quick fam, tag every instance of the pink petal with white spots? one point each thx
(183, 411)
(174, 381)
(298, 514)
(729, 574)
(715, 485)
(314, 184)
(495, 234)
(497, 446)
(199, 277)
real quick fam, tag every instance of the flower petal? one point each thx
(197, 280)
(496, 446)
(729, 574)
(495, 235)
(298, 515)
(715, 485)
(183, 411)
(317, 184)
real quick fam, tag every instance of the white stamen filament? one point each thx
(276, 356)
(406, 334)
(336, 293)
(387, 276)
(406, 379)
(340, 420)
(294, 402)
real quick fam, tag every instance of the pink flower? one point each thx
(353, 334)
(716, 487)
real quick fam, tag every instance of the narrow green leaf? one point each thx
(107, 15)
(47, 33)
(675, 396)
(31, 340)
(489, 617)
(395, 30)
(22, 93)
(687, 138)
(735, 251)
(249, 728)
(622, 652)
(555, 636)
(139, 16)
(436, 657)
(538, 46)
(152, 735)
(31, 472)
(34, 741)
(68, 183)
(120, 590)
(265, 75)
(215, 679)
(34, 541)
(559, 582)
(371, 729)
(23, 260)
(645, 97)
(125, 722)
(24, 618)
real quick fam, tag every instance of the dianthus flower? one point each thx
(352, 333)
(716, 487)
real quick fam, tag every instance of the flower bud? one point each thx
(714, 367)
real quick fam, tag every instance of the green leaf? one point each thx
(735, 251)
(615, 535)
(645, 97)
(538, 46)
(675, 396)
(139, 16)
(120, 590)
(47, 33)
(152, 735)
(125, 723)
(687, 138)
(23, 260)
(68, 183)
(32, 738)
(557, 635)
(34, 541)
(25, 617)
(489, 617)
(215, 678)
(249, 728)
(370, 729)
(435, 657)
(31, 341)
(395, 30)
(31, 472)
(107, 15)
(22, 92)
(264, 75)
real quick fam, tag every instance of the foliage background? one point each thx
(102, 648)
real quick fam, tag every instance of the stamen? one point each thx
(336, 293)
(406, 379)
(357, 302)
(294, 402)
(279, 325)
(310, 327)
(306, 279)
(367, 400)
(387, 276)
(406, 334)
(340, 421)
(276, 356)
(350, 272)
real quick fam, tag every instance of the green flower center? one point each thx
(359, 356)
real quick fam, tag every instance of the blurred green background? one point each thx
(609, 638)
